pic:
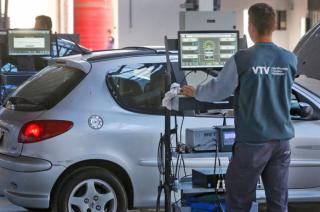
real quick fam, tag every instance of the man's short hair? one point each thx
(262, 16)
(44, 22)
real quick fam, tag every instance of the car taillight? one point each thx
(39, 130)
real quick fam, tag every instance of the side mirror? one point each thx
(306, 110)
(301, 110)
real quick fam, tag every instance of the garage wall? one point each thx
(299, 9)
(62, 15)
(280, 37)
(22, 13)
(296, 10)
(152, 19)
(65, 20)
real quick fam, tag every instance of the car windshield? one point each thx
(45, 89)
(311, 84)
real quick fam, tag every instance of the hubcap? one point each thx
(92, 195)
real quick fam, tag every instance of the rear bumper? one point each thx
(28, 182)
(24, 164)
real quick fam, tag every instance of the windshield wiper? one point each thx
(15, 100)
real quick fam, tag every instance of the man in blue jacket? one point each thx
(261, 78)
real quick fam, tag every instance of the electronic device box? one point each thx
(201, 139)
(210, 139)
(207, 20)
(206, 178)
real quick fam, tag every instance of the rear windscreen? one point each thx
(45, 89)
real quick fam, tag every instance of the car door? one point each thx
(138, 87)
(305, 146)
(305, 165)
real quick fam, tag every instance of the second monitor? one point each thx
(23, 42)
(206, 50)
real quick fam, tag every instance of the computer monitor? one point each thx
(206, 50)
(22, 42)
(226, 137)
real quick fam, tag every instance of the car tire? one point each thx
(90, 189)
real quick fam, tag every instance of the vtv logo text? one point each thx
(261, 70)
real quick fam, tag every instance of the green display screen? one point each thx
(206, 50)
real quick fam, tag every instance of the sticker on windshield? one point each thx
(95, 122)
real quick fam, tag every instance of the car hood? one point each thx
(307, 51)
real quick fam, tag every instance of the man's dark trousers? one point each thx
(270, 160)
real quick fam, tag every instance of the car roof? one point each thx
(128, 51)
(83, 60)
(116, 53)
(97, 56)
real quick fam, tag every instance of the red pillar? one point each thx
(92, 19)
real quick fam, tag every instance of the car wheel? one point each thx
(90, 189)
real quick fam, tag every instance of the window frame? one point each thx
(114, 92)
(176, 75)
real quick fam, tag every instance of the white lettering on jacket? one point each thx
(265, 70)
(261, 70)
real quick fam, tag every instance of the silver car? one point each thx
(82, 134)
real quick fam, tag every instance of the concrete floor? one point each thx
(5, 206)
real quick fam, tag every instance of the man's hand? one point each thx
(187, 90)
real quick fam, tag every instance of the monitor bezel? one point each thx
(197, 32)
(31, 29)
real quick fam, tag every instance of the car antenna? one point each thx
(83, 51)
(57, 46)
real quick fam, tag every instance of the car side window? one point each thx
(138, 87)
